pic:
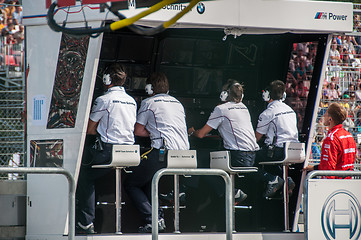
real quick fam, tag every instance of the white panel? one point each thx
(284, 15)
(329, 201)
(48, 194)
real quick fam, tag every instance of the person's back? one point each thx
(280, 121)
(236, 127)
(165, 119)
(339, 149)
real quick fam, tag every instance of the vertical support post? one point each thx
(286, 198)
(176, 203)
(233, 203)
(118, 200)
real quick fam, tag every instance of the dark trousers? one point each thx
(85, 193)
(138, 184)
(269, 172)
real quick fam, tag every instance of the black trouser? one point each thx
(138, 184)
(85, 212)
(269, 172)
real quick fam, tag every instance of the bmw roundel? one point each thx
(201, 8)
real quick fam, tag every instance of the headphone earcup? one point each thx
(148, 89)
(223, 96)
(107, 80)
(284, 96)
(266, 95)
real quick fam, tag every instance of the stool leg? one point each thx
(286, 198)
(176, 203)
(233, 204)
(118, 200)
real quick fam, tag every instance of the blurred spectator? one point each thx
(8, 29)
(18, 15)
(332, 92)
(335, 57)
(300, 72)
(19, 35)
(10, 9)
(358, 91)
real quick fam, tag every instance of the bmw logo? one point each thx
(201, 8)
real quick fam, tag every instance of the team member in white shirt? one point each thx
(113, 117)
(233, 121)
(162, 118)
(279, 125)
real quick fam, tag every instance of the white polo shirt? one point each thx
(116, 113)
(278, 120)
(234, 124)
(164, 118)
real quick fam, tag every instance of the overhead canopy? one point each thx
(257, 15)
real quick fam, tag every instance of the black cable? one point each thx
(73, 31)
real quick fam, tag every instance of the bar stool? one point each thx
(294, 153)
(221, 160)
(122, 156)
(185, 159)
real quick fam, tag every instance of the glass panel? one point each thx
(299, 76)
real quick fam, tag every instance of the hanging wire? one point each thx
(123, 22)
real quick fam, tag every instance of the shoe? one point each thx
(147, 228)
(291, 185)
(273, 187)
(239, 196)
(169, 197)
(81, 229)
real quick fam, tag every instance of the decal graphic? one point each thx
(341, 216)
(68, 82)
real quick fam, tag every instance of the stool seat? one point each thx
(294, 153)
(221, 160)
(123, 156)
(182, 159)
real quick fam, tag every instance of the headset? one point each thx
(149, 89)
(107, 80)
(266, 95)
(225, 93)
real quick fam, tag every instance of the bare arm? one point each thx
(200, 133)
(139, 130)
(92, 127)
(258, 136)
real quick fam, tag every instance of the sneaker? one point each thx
(273, 187)
(81, 229)
(291, 185)
(147, 228)
(169, 197)
(239, 196)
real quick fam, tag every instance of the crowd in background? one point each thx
(11, 21)
(342, 84)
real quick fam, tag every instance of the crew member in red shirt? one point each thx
(339, 148)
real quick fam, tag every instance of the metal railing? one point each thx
(199, 171)
(72, 188)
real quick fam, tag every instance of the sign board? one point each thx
(333, 209)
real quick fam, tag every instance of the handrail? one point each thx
(71, 181)
(199, 171)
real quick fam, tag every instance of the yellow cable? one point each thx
(181, 14)
(143, 156)
(128, 21)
